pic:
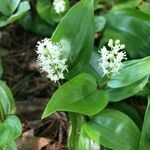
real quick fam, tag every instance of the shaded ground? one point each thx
(31, 91)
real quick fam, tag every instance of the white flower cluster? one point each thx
(51, 60)
(59, 6)
(110, 60)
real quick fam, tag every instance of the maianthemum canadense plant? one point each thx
(99, 79)
(10, 126)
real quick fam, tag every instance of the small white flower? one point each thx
(110, 60)
(59, 6)
(110, 43)
(50, 59)
(117, 41)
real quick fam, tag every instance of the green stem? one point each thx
(103, 82)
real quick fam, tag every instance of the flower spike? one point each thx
(50, 59)
(111, 60)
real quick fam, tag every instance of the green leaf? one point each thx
(7, 7)
(145, 7)
(1, 68)
(44, 8)
(26, 21)
(78, 95)
(46, 11)
(145, 135)
(76, 34)
(131, 73)
(126, 4)
(131, 26)
(2, 114)
(6, 99)
(113, 129)
(9, 146)
(40, 27)
(93, 66)
(86, 143)
(78, 139)
(22, 9)
(118, 94)
(100, 22)
(10, 129)
(36, 25)
(130, 111)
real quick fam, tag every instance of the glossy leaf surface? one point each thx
(113, 129)
(118, 94)
(10, 129)
(76, 34)
(78, 95)
(130, 111)
(131, 73)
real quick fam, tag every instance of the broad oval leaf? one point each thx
(78, 95)
(6, 99)
(113, 129)
(118, 94)
(131, 26)
(131, 73)
(145, 135)
(76, 34)
(10, 129)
